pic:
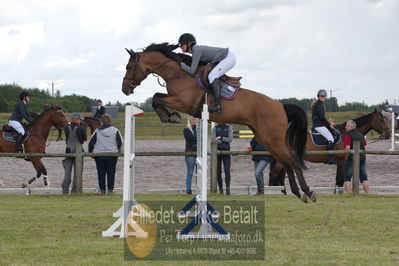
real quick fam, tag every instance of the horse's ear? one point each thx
(375, 110)
(131, 52)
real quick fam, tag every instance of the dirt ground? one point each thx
(153, 173)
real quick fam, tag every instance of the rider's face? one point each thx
(322, 98)
(27, 99)
(184, 47)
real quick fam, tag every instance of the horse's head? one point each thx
(379, 124)
(135, 73)
(60, 118)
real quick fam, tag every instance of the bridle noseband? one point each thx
(132, 85)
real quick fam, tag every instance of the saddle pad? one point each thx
(9, 136)
(227, 91)
(319, 140)
(12, 136)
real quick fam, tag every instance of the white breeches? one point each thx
(17, 126)
(325, 133)
(220, 69)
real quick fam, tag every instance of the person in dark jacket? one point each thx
(107, 138)
(74, 134)
(222, 134)
(190, 136)
(321, 124)
(260, 162)
(222, 57)
(15, 121)
(100, 110)
(351, 135)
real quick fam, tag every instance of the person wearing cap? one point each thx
(106, 138)
(100, 110)
(221, 57)
(15, 121)
(74, 134)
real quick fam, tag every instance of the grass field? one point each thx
(337, 230)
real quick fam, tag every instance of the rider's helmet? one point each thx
(187, 38)
(23, 94)
(322, 93)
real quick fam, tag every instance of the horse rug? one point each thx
(319, 140)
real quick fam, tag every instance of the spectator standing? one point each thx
(107, 138)
(222, 134)
(352, 135)
(74, 134)
(190, 136)
(100, 110)
(260, 162)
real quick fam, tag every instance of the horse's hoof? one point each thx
(175, 117)
(304, 198)
(313, 196)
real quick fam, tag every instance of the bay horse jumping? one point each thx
(364, 124)
(36, 143)
(90, 122)
(281, 128)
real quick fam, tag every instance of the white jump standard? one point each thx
(205, 213)
(129, 203)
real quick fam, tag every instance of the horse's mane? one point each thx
(54, 107)
(167, 50)
(360, 121)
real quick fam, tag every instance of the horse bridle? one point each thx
(136, 66)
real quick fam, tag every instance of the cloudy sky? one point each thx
(284, 48)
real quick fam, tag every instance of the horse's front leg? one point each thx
(339, 177)
(160, 101)
(40, 169)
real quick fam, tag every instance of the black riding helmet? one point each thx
(23, 94)
(322, 93)
(187, 38)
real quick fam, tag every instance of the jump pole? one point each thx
(128, 181)
(205, 213)
(393, 135)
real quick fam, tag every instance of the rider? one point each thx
(100, 110)
(321, 124)
(222, 57)
(20, 112)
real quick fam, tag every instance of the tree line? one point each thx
(76, 103)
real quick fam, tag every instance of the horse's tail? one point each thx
(297, 130)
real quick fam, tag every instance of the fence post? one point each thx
(214, 160)
(79, 168)
(356, 166)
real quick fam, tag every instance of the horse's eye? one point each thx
(128, 67)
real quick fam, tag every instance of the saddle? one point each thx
(228, 85)
(10, 134)
(319, 140)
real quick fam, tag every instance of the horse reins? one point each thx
(153, 70)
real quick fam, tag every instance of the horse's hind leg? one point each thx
(293, 184)
(162, 111)
(303, 185)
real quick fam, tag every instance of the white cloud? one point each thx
(284, 48)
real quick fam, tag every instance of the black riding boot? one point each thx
(330, 147)
(18, 143)
(216, 97)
